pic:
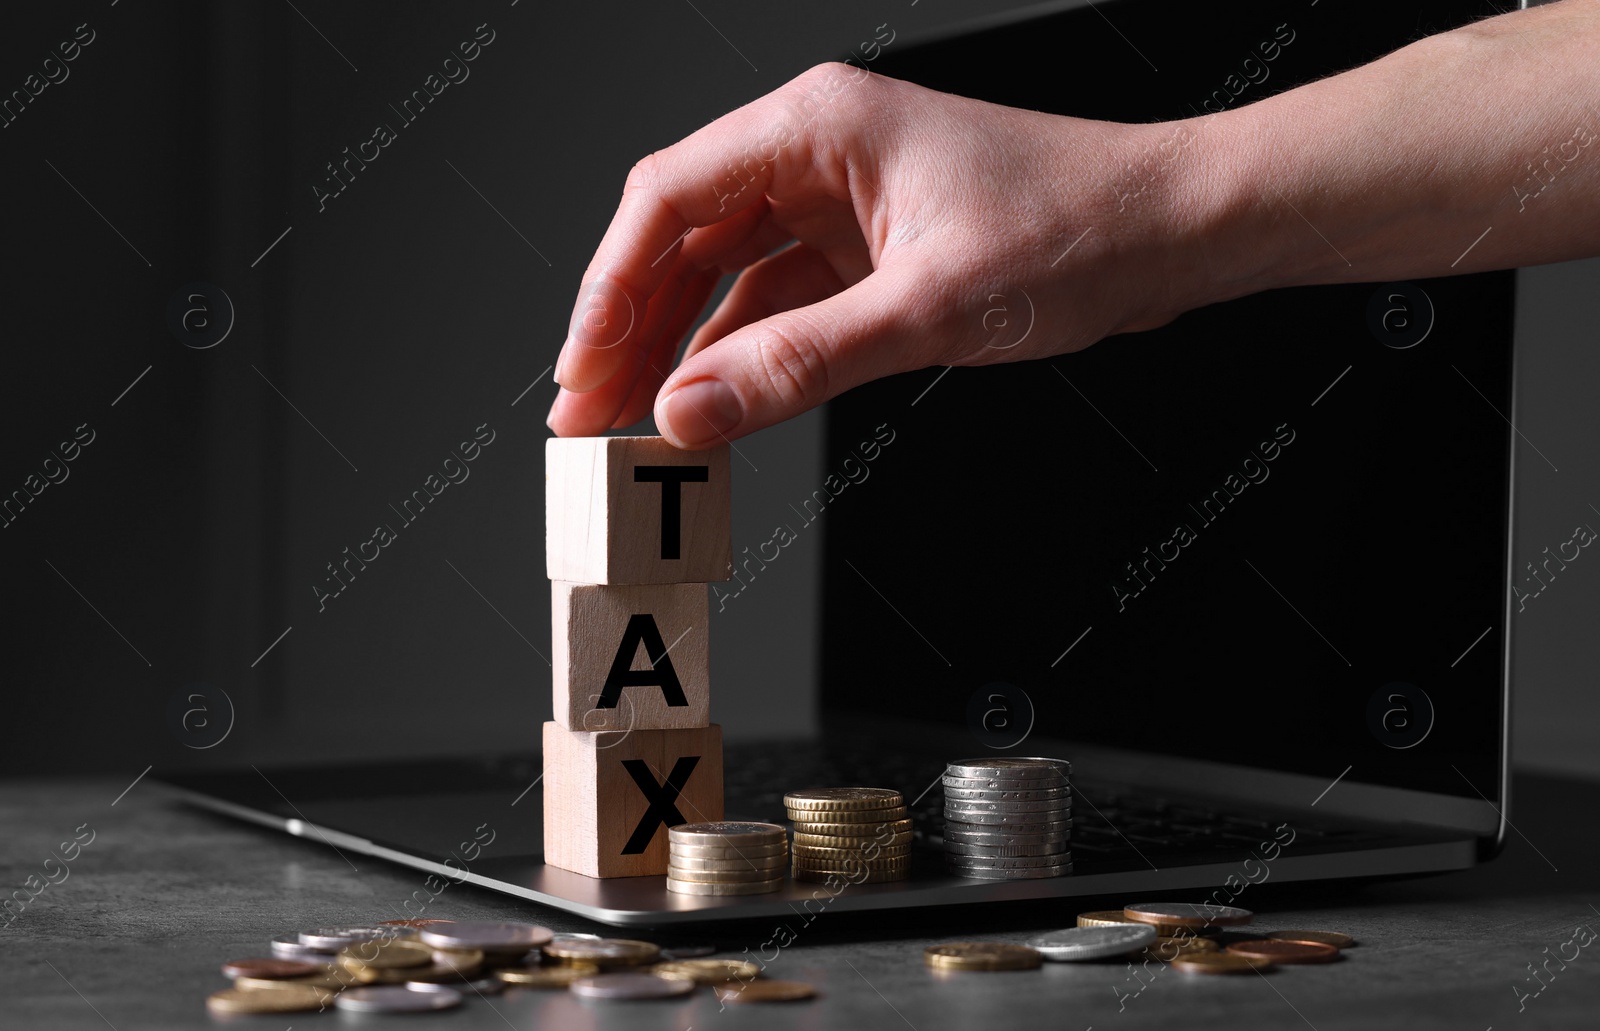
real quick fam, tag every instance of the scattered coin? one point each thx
(553, 975)
(289, 1000)
(765, 991)
(397, 999)
(843, 799)
(1276, 951)
(605, 952)
(708, 971)
(289, 946)
(413, 924)
(1167, 947)
(486, 935)
(273, 969)
(1080, 943)
(981, 956)
(331, 978)
(1187, 914)
(479, 986)
(1217, 963)
(1105, 918)
(385, 955)
(1335, 938)
(465, 962)
(630, 986)
(332, 939)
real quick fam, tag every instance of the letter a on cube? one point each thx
(636, 510)
(609, 796)
(630, 657)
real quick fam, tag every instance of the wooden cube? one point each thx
(633, 657)
(609, 796)
(636, 510)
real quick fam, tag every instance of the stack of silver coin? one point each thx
(1006, 819)
(726, 858)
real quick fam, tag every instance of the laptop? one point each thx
(1248, 573)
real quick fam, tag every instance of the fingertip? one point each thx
(699, 414)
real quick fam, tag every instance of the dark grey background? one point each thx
(378, 333)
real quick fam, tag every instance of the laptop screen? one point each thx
(1272, 533)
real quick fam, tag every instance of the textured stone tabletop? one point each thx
(158, 895)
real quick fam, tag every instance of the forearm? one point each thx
(1466, 151)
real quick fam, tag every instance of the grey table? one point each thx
(133, 936)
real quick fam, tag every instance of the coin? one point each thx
(1035, 823)
(973, 834)
(1187, 914)
(723, 876)
(413, 924)
(765, 991)
(385, 955)
(881, 831)
(851, 876)
(756, 852)
(1217, 963)
(331, 978)
(955, 806)
(1013, 768)
(730, 888)
(1016, 873)
(489, 936)
(289, 946)
(870, 850)
(843, 799)
(871, 837)
(1003, 784)
(480, 986)
(764, 863)
(292, 1000)
(805, 817)
(1334, 938)
(272, 969)
(1106, 918)
(630, 986)
(960, 862)
(463, 961)
(332, 939)
(725, 832)
(397, 999)
(981, 956)
(605, 952)
(960, 794)
(1167, 947)
(1276, 951)
(708, 971)
(1079, 943)
(846, 862)
(554, 975)
(1044, 848)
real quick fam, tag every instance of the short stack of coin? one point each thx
(726, 858)
(859, 835)
(1008, 819)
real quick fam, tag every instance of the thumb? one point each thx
(788, 363)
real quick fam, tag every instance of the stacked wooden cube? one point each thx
(635, 531)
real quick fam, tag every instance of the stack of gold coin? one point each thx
(1008, 818)
(859, 835)
(726, 858)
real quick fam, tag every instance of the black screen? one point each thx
(1265, 534)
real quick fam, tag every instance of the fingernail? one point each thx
(561, 362)
(550, 419)
(700, 412)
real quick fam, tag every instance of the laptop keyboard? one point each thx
(1108, 823)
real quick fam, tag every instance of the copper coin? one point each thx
(1218, 963)
(412, 923)
(274, 969)
(1187, 914)
(765, 991)
(1337, 939)
(1276, 951)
